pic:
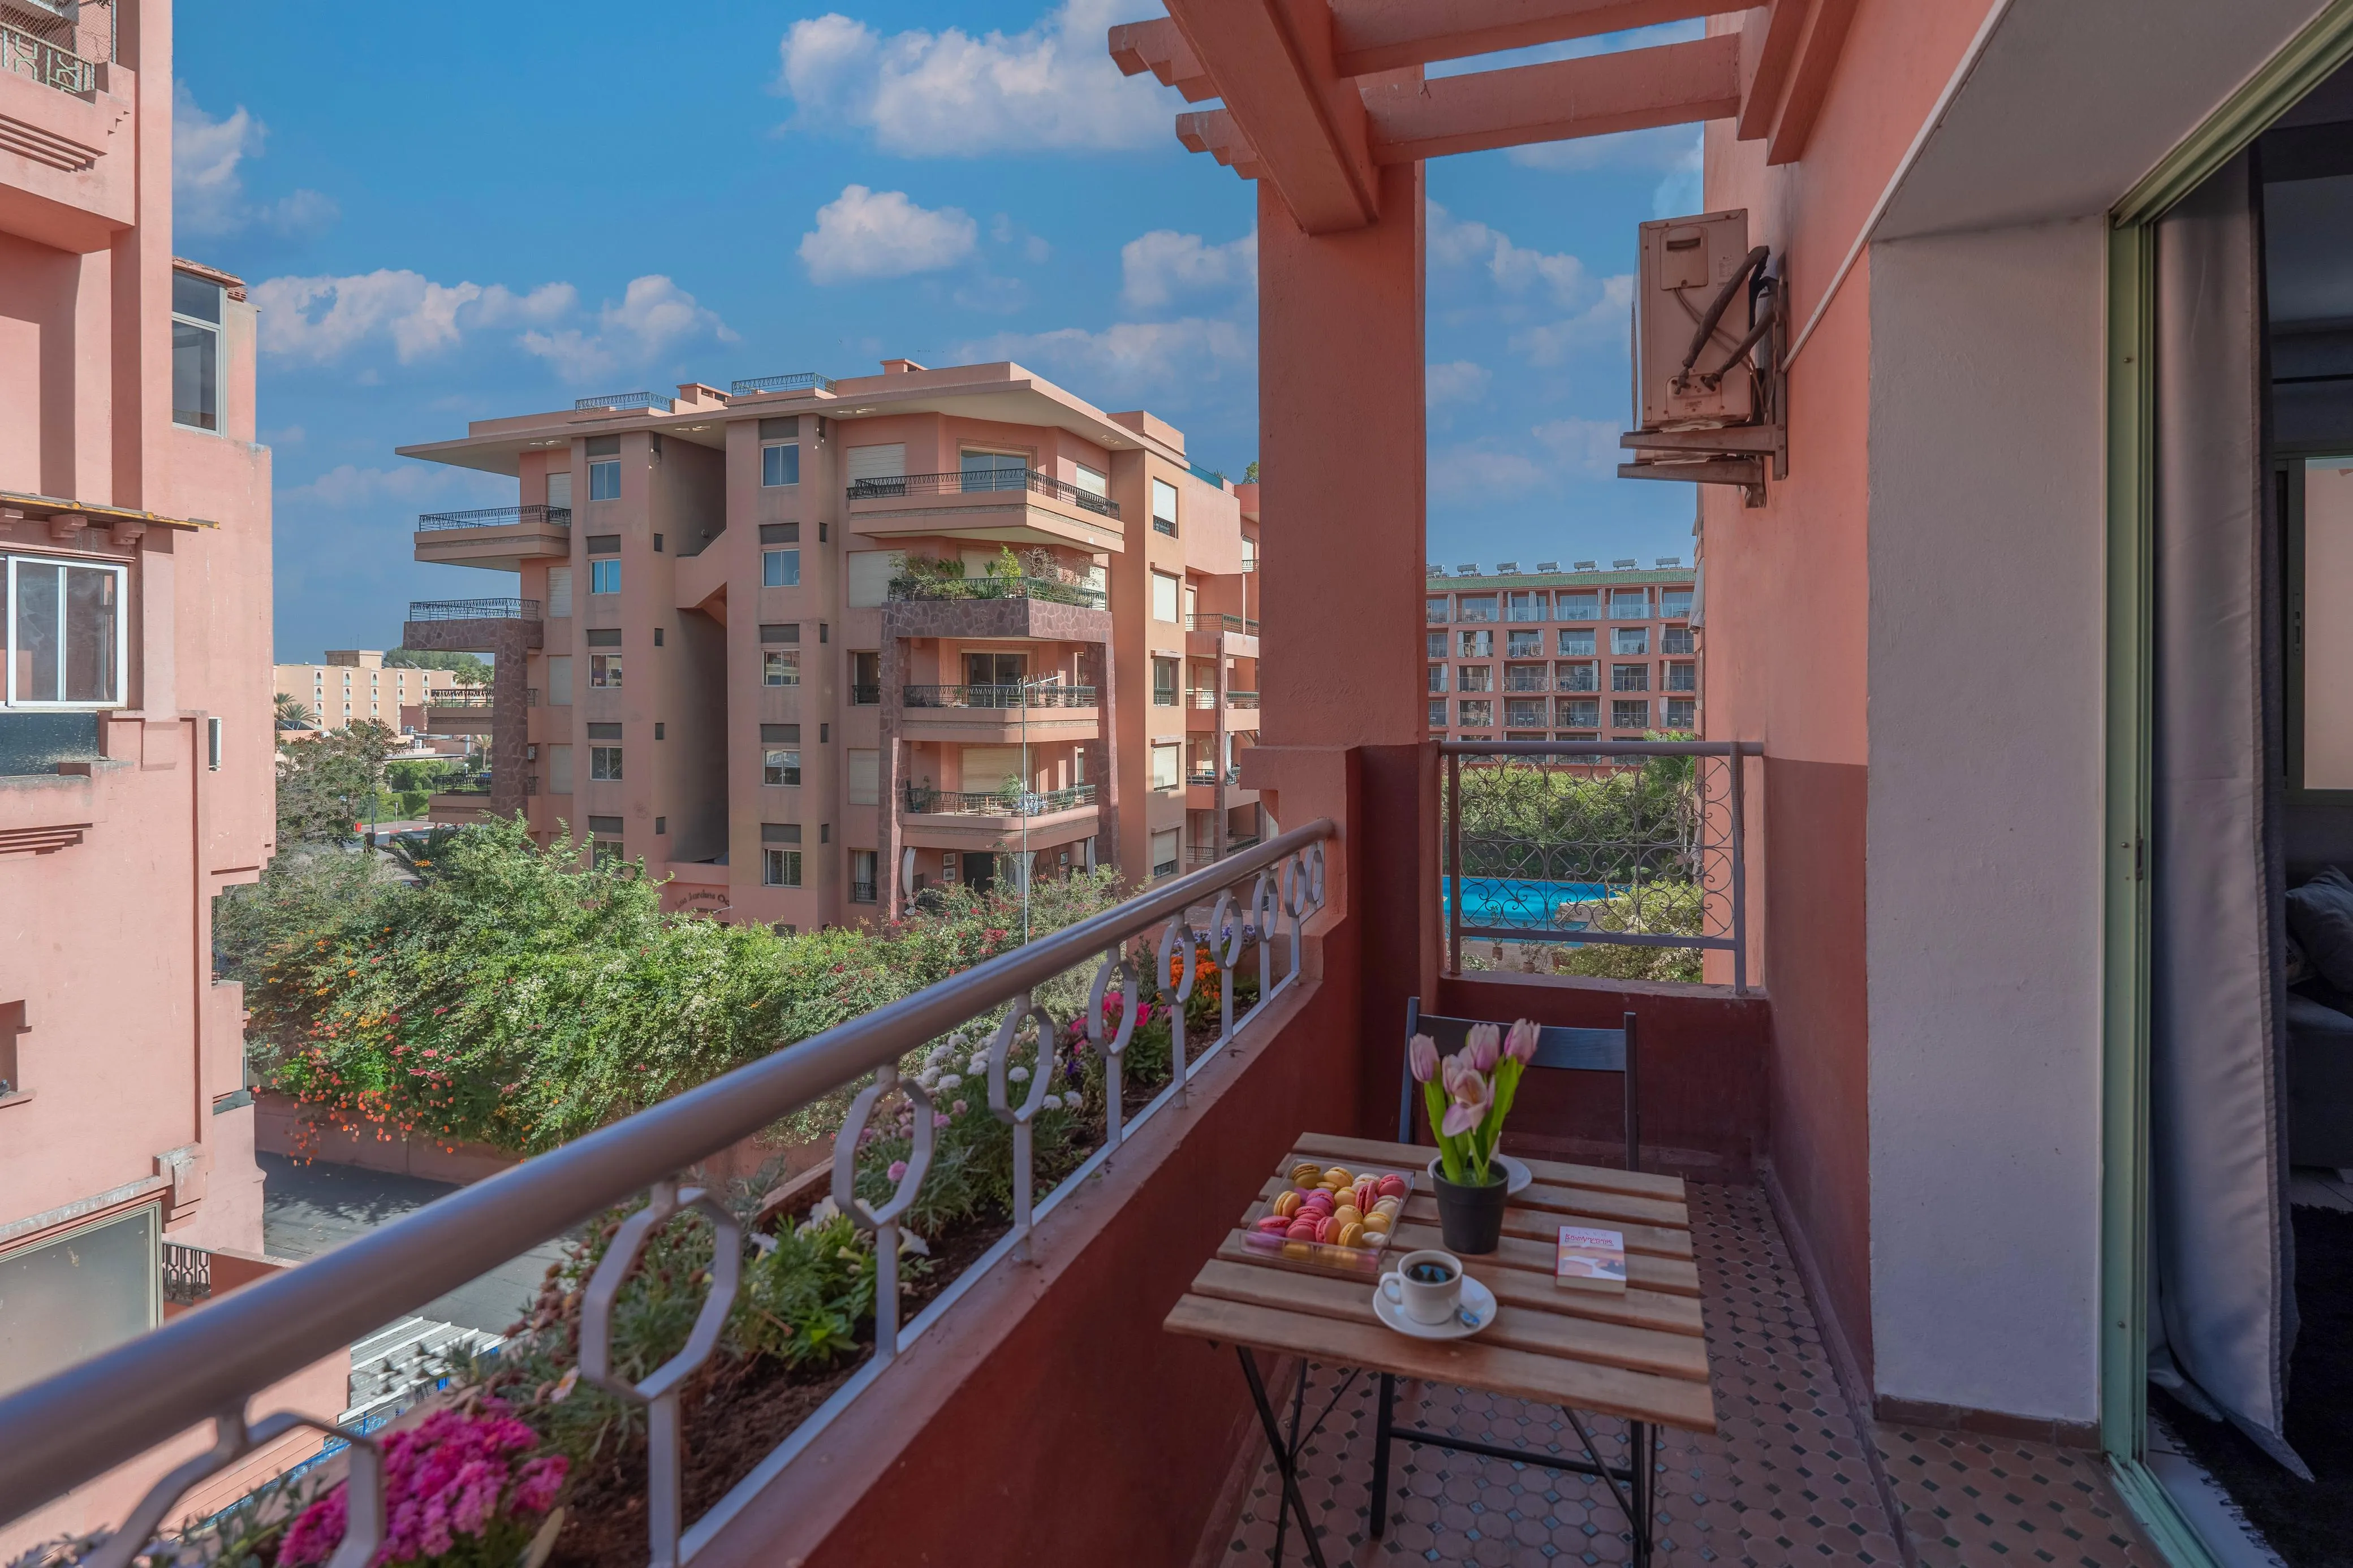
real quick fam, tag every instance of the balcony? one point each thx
(928, 802)
(499, 538)
(995, 819)
(51, 63)
(1221, 636)
(466, 709)
(1014, 506)
(1041, 608)
(1576, 680)
(798, 380)
(504, 628)
(1000, 715)
(621, 402)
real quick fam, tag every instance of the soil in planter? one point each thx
(732, 1421)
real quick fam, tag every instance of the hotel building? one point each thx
(811, 646)
(1586, 654)
(355, 683)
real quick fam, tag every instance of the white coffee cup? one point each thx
(1430, 1301)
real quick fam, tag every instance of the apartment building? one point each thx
(1582, 655)
(810, 646)
(355, 683)
(135, 738)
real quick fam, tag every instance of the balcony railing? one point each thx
(622, 400)
(864, 695)
(1221, 624)
(1201, 776)
(1576, 680)
(1001, 696)
(205, 1366)
(986, 480)
(187, 1274)
(496, 517)
(1551, 851)
(473, 609)
(860, 892)
(925, 801)
(1242, 699)
(1576, 609)
(798, 380)
(1047, 588)
(1523, 613)
(1517, 681)
(49, 64)
(1202, 698)
(474, 697)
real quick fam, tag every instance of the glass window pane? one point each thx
(2328, 588)
(92, 617)
(780, 568)
(39, 642)
(195, 297)
(196, 375)
(780, 464)
(69, 1298)
(604, 481)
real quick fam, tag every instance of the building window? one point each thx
(866, 678)
(1434, 609)
(605, 670)
(1524, 606)
(780, 463)
(195, 352)
(1525, 713)
(778, 668)
(1674, 601)
(1474, 677)
(605, 763)
(1163, 683)
(1165, 852)
(1577, 607)
(1523, 645)
(1682, 714)
(67, 633)
(603, 852)
(1630, 604)
(604, 480)
(1574, 677)
(863, 889)
(1164, 596)
(1630, 677)
(1682, 677)
(780, 867)
(780, 765)
(780, 569)
(1475, 644)
(1438, 714)
(1437, 677)
(1434, 644)
(1582, 712)
(1168, 767)
(1630, 715)
(603, 576)
(1164, 507)
(1476, 608)
(1469, 713)
(1675, 640)
(1635, 640)
(1576, 644)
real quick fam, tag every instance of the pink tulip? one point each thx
(1485, 1047)
(1423, 1054)
(1520, 1044)
(1469, 1095)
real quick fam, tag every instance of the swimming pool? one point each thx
(1508, 902)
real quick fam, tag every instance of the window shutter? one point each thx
(559, 588)
(865, 777)
(887, 461)
(870, 577)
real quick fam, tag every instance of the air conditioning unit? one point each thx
(1708, 330)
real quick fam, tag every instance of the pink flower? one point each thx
(1483, 1046)
(897, 1171)
(1423, 1054)
(1469, 1095)
(958, 1109)
(939, 1118)
(1520, 1044)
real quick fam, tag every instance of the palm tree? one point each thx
(292, 712)
(419, 855)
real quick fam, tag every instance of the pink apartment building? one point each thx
(811, 646)
(351, 684)
(135, 735)
(1581, 655)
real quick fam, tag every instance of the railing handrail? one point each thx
(1013, 801)
(473, 609)
(1027, 695)
(992, 481)
(952, 589)
(81, 1422)
(496, 517)
(619, 400)
(51, 64)
(798, 380)
(1588, 747)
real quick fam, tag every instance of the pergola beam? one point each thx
(1371, 35)
(1634, 90)
(1157, 46)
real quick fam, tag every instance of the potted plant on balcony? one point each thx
(1468, 1095)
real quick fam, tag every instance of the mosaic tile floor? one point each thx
(1787, 1477)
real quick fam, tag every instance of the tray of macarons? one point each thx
(1330, 1217)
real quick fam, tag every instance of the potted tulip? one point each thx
(1468, 1095)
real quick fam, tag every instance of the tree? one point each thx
(293, 712)
(326, 786)
(468, 669)
(1250, 475)
(422, 856)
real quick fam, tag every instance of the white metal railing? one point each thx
(205, 1366)
(51, 65)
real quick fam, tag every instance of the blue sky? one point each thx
(448, 214)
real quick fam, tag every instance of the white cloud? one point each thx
(209, 191)
(1457, 381)
(1607, 320)
(1584, 446)
(1005, 231)
(1660, 148)
(1493, 468)
(1514, 269)
(1153, 362)
(1156, 266)
(348, 486)
(864, 234)
(951, 94)
(653, 315)
(320, 320)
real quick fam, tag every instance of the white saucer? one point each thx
(1516, 1175)
(1477, 1299)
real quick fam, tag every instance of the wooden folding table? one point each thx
(1638, 1355)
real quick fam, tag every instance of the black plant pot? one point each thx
(1470, 1219)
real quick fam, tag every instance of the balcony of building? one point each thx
(501, 538)
(1011, 506)
(1000, 715)
(1048, 609)
(1220, 636)
(996, 820)
(66, 111)
(466, 709)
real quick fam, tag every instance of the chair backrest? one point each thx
(1574, 1050)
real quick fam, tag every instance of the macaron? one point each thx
(1337, 1176)
(1318, 1200)
(1286, 1204)
(1306, 1174)
(1348, 1235)
(1378, 1223)
(1349, 1214)
(1392, 1186)
(1388, 1207)
(1301, 1229)
(1274, 1225)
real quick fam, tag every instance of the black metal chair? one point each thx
(1573, 1050)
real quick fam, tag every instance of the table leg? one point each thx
(1639, 1500)
(1381, 1456)
(1286, 1459)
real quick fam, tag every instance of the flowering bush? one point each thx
(459, 1490)
(1469, 1094)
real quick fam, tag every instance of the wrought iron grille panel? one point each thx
(908, 589)
(982, 480)
(1001, 696)
(620, 400)
(798, 380)
(1623, 844)
(997, 803)
(496, 517)
(187, 1274)
(473, 609)
(50, 64)
(1247, 915)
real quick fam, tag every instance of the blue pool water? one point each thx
(1505, 902)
